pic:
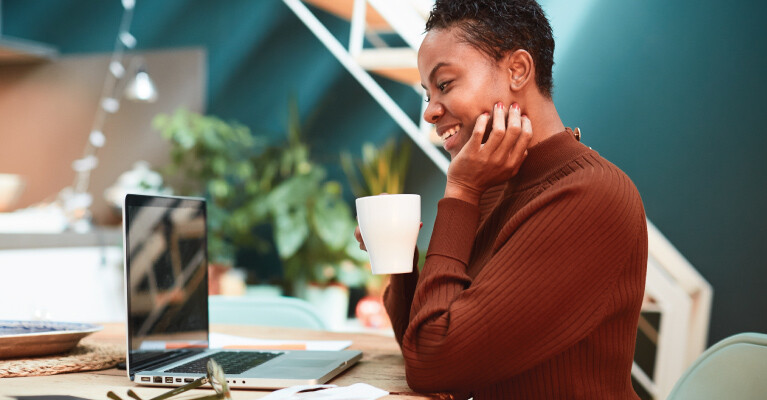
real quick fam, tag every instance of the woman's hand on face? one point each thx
(479, 166)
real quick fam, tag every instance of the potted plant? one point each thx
(382, 170)
(215, 159)
(313, 227)
(249, 183)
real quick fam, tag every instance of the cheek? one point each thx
(478, 100)
(467, 109)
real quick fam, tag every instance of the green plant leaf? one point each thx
(268, 174)
(249, 182)
(353, 250)
(219, 188)
(219, 164)
(369, 154)
(332, 218)
(295, 190)
(383, 169)
(347, 164)
(352, 275)
(244, 171)
(291, 229)
(402, 163)
(258, 209)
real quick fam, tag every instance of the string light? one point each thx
(141, 88)
(75, 199)
(117, 69)
(97, 139)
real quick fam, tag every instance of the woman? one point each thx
(535, 272)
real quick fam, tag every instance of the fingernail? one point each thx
(487, 114)
(525, 153)
(499, 105)
(515, 106)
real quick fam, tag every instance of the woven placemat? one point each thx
(87, 356)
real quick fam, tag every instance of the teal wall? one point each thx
(671, 92)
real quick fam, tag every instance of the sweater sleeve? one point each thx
(398, 297)
(543, 289)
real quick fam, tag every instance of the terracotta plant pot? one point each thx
(215, 272)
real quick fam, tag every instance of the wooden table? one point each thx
(381, 366)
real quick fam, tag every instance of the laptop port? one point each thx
(145, 379)
(157, 379)
(168, 379)
(178, 379)
(188, 380)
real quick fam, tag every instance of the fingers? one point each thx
(498, 130)
(513, 130)
(358, 236)
(519, 152)
(515, 120)
(475, 142)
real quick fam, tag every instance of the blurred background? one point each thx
(671, 92)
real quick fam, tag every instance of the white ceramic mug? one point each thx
(389, 224)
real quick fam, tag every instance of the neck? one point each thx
(544, 119)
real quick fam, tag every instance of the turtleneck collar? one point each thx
(547, 157)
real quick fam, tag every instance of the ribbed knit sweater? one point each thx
(533, 294)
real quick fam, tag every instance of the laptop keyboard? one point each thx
(233, 362)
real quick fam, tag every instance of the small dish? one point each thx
(11, 187)
(38, 338)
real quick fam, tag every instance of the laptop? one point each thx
(166, 286)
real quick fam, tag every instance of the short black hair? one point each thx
(497, 27)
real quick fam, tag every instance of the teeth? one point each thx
(450, 132)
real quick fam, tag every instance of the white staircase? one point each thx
(674, 288)
(394, 63)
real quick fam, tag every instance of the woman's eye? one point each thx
(442, 86)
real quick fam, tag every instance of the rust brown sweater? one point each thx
(533, 294)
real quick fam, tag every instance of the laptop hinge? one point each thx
(162, 358)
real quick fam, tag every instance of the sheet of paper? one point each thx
(358, 391)
(224, 341)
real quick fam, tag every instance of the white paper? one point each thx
(358, 391)
(221, 340)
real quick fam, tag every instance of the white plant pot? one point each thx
(332, 302)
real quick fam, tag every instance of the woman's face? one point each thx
(461, 83)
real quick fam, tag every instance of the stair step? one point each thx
(343, 9)
(399, 64)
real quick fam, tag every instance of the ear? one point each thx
(521, 69)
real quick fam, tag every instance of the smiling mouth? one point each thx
(449, 133)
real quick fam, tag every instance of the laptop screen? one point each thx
(166, 273)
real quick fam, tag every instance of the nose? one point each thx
(433, 111)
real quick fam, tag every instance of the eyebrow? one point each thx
(434, 71)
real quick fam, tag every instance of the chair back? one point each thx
(735, 368)
(280, 311)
